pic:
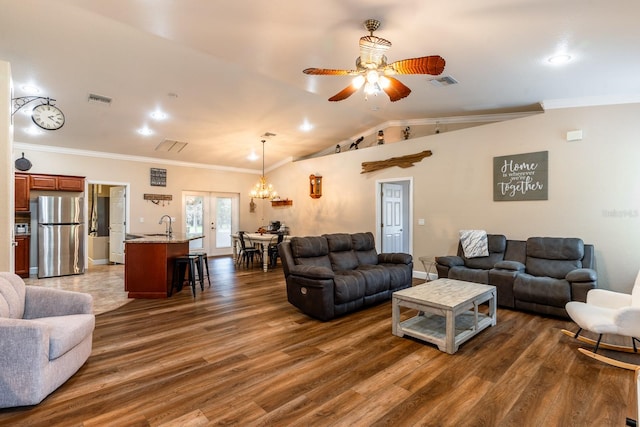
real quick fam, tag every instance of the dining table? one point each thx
(262, 240)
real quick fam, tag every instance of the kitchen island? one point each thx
(149, 260)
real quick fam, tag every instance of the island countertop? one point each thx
(161, 238)
(149, 260)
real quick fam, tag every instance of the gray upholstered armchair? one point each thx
(45, 337)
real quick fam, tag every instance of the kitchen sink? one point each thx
(156, 235)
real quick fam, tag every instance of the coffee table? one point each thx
(447, 312)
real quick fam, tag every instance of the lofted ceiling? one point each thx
(227, 72)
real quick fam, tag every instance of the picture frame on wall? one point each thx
(158, 177)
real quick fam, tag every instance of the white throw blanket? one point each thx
(474, 243)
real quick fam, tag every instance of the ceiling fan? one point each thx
(374, 73)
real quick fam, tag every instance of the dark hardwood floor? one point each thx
(240, 354)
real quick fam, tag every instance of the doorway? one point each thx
(213, 214)
(107, 212)
(394, 215)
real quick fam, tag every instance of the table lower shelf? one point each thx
(432, 328)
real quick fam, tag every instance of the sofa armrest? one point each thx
(395, 258)
(582, 275)
(23, 342)
(509, 265)
(47, 302)
(312, 272)
(450, 260)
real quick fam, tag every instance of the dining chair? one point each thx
(272, 249)
(247, 250)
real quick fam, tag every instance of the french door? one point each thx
(213, 214)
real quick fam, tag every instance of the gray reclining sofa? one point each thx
(540, 274)
(334, 274)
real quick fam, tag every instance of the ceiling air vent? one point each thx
(443, 81)
(171, 145)
(99, 99)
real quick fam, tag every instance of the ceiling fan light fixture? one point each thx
(371, 89)
(358, 81)
(372, 76)
(384, 82)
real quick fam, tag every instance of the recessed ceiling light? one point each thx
(306, 126)
(253, 156)
(158, 115)
(559, 59)
(145, 131)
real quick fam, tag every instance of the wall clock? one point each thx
(48, 117)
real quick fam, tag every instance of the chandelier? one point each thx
(262, 190)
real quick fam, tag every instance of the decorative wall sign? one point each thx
(521, 177)
(157, 198)
(158, 177)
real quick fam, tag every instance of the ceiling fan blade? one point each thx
(329, 72)
(433, 65)
(396, 89)
(344, 93)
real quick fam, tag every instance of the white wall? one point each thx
(594, 187)
(6, 164)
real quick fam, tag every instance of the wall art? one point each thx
(521, 177)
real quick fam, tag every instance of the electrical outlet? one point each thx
(141, 219)
(421, 221)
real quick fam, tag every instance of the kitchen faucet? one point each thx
(169, 229)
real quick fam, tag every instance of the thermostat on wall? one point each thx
(574, 135)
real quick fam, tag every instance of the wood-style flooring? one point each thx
(240, 354)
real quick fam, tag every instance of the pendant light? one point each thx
(262, 190)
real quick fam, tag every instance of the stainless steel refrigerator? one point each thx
(61, 236)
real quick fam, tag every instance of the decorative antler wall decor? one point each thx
(403, 162)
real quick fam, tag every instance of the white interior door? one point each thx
(215, 215)
(392, 218)
(117, 225)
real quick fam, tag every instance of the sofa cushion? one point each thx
(66, 332)
(12, 294)
(364, 246)
(349, 286)
(542, 290)
(312, 250)
(561, 248)
(340, 253)
(376, 279)
(553, 256)
(338, 242)
(475, 275)
(399, 274)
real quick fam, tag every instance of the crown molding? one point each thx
(590, 101)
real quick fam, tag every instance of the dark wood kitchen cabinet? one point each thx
(57, 182)
(21, 267)
(22, 192)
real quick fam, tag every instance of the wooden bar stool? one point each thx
(184, 270)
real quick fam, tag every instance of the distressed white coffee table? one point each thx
(447, 312)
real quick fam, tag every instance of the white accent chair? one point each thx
(46, 335)
(608, 312)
